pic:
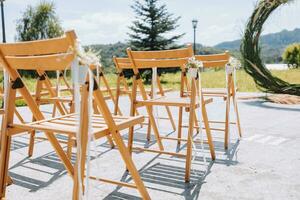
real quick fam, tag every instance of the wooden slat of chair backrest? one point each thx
(122, 63)
(214, 60)
(160, 59)
(39, 47)
(51, 62)
(51, 54)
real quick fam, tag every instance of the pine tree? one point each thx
(153, 22)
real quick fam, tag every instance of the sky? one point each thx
(107, 21)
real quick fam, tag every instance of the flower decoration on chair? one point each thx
(81, 67)
(193, 66)
(232, 65)
(251, 50)
(89, 57)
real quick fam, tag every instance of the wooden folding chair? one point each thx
(59, 101)
(168, 59)
(54, 54)
(227, 93)
(125, 64)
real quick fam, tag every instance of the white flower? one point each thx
(232, 65)
(194, 63)
(235, 62)
(88, 57)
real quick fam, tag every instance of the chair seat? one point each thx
(67, 124)
(61, 88)
(62, 99)
(170, 101)
(19, 96)
(215, 91)
(220, 91)
(65, 88)
(148, 91)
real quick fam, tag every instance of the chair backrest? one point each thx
(41, 55)
(177, 58)
(219, 60)
(50, 54)
(122, 63)
(160, 59)
(214, 60)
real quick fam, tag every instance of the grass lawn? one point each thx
(213, 79)
(216, 79)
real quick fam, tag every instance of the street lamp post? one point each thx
(6, 77)
(194, 22)
(3, 22)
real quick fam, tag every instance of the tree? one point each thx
(149, 30)
(40, 22)
(291, 55)
(152, 24)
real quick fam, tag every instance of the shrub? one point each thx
(291, 55)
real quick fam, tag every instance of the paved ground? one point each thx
(263, 165)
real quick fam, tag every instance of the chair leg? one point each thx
(208, 133)
(154, 127)
(31, 143)
(38, 91)
(19, 116)
(54, 110)
(130, 165)
(171, 118)
(196, 122)
(149, 112)
(69, 147)
(110, 93)
(162, 93)
(4, 162)
(149, 131)
(130, 139)
(227, 123)
(179, 125)
(116, 104)
(5, 139)
(188, 162)
(9, 181)
(237, 116)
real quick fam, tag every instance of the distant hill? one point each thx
(273, 47)
(107, 51)
(273, 44)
